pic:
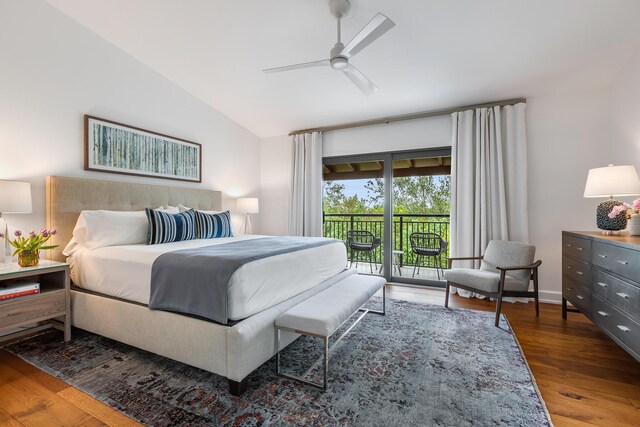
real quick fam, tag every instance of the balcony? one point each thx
(337, 226)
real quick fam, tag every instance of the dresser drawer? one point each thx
(576, 247)
(621, 294)
(577, 271)
(578, 295)
(32, 308)
(617, 323)
(623, 261)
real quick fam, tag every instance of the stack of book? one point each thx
(18, 289)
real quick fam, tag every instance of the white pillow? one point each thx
(233, 227)
(97, 229)
(169, 209)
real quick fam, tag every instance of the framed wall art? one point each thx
(118, 148)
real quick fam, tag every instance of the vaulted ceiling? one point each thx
(439, 54)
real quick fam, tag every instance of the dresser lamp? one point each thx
(611, 181)
(247, 206)
(15, 197)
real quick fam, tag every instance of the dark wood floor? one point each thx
(584, 377)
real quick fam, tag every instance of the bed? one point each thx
(111, 284)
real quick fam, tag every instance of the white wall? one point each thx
(275, 182)
(566, 136)
(624, 130)
(54, 71)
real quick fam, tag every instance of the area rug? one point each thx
(419, 365)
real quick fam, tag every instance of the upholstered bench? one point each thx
(324, 313)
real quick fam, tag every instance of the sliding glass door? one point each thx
(392, 212)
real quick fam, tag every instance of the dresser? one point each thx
(601, 279)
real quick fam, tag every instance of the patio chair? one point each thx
(362, 241)
(428, 245)
(505, 271)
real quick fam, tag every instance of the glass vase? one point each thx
(29, 258)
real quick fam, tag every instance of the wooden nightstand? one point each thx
(48, 309)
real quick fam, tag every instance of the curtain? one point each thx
(305, 213)
(488, 180)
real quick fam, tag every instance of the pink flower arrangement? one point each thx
(617, 210)
(33, 241)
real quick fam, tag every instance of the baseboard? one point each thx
(548, 297)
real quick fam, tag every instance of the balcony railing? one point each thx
(337, 226)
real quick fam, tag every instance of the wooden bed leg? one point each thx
(237, 388)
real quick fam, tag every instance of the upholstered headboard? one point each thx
(67, 197)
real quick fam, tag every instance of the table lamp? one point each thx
(15, 197)
(248, 205)
(608, 182)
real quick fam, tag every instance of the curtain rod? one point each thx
(423, 114)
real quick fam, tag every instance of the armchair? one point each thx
(506, 270)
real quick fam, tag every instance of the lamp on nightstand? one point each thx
(15, 197)
(608, 182)
(247, 206)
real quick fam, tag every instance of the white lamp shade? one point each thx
(612, 181)
(248, 205)
(15, 197)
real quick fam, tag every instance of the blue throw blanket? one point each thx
(196, 281)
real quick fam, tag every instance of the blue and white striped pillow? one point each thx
(165, 227)
(211, 226)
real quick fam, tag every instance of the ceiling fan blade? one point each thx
(364, 84)
(298, 66)
(379, 25)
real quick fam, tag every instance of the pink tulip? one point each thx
(636, 205)
(54, 231)
(17, 233)
(45, 233)
(32, 233)
(1, 235)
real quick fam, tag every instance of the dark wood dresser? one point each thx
(601, 279)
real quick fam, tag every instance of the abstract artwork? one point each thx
(119, 148)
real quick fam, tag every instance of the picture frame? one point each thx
(119, 148)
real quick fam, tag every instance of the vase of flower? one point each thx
(28, 247)
(630, 211)
(29, 258)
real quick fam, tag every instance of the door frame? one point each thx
(387, 157)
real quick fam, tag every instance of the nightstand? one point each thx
(50, 308)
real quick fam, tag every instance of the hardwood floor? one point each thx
(584, 377)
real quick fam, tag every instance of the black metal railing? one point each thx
(337, 226)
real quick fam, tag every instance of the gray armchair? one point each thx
(505, 271)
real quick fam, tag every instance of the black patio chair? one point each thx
(428, 245)
(362, 241)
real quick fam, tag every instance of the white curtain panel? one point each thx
(305, 213)
(488, 180)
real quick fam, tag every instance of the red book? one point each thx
(18, 294)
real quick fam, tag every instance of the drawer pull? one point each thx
(569, 245)
(579, 296)
(604, 285)
(579, 273)
(569, 267)
(623, 295)
(602, 256)
(569, 289)
(603, 314)
(623, 328)
(623, 262)
(579, 249)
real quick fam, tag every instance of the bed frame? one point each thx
(231, 351)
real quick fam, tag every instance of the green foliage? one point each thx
(415, 194)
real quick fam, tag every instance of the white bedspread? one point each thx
(125, 272)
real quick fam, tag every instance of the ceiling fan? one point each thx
(340, 54)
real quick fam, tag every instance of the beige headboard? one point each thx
(67, 197)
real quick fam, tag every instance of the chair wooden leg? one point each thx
(498, 308)
(446, 295)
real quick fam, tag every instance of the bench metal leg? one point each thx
(327, 350)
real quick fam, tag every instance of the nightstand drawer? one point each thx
(577, 271)
(32, 308)
(576, 247)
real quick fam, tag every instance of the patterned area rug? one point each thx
(419, 365)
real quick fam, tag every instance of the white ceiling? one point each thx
(439, 54)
